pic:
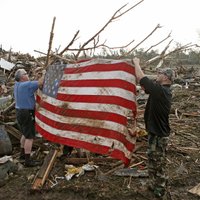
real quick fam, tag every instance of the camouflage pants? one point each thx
(157, 163)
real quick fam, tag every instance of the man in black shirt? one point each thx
(156, 118)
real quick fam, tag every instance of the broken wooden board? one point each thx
(131, 172)
(45, 169)
(13, 131)
(195, 190)
(86, 160)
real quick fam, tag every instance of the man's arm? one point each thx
(40, 82)
(138, 70)
(41, 79)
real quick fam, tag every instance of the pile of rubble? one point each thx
(187, 79)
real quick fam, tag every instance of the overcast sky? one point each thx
(26, 24)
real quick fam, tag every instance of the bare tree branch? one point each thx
(159, 57)
(158, 26)
(164, 54)
(71, 42)
(50, 41)
(115, 16)
(125, 46)
(158, 43)
(101, 45)
(57, 56)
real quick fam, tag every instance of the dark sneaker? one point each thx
(67, 150)
(22, 154)
(33, 163)
(22, 157)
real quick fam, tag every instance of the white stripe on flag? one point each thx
(114, 144)
(85, 122)
(88, 106)
(98, 61)
(101, 76)
(108, 91)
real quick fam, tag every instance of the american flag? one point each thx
(89, 105)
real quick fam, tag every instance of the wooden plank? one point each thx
(13, 131)
(195, 190)
(45, 169)
(86, 160)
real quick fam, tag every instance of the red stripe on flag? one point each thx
(98, 99)
(115, 83)
(96, 131)
(100, 115)
(102, 68)
(86, 145)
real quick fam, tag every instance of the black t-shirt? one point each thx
(158, 106)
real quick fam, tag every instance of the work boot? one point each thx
(30, 162)
(22, 154)
(67, 150)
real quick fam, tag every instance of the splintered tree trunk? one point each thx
(50, 41)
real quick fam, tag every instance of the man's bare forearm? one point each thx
(138, 70)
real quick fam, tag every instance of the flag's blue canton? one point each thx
(52, 79)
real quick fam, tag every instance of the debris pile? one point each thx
(184, 147)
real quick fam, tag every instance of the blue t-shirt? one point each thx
(24, 94)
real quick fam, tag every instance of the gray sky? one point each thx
(26, 24)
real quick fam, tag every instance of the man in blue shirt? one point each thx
(24, 94)
(156, 119)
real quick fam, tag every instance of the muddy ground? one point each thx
(183, 164)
